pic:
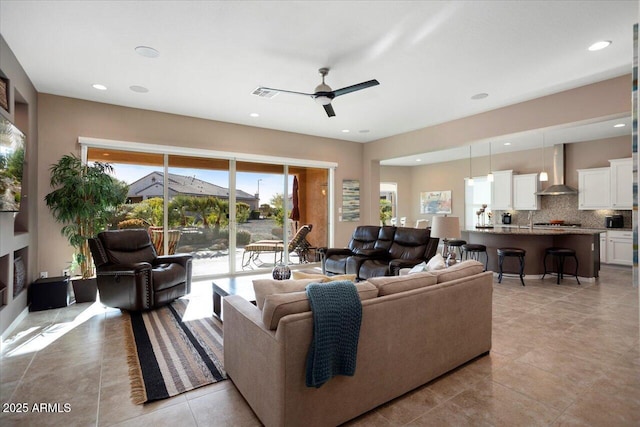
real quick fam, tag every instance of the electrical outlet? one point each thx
(44, 274)
(65, 272)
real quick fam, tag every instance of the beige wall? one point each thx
(18, 233)
(450, 175)
(593, 154)
(62, 120)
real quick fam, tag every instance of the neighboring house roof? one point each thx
(185, 185)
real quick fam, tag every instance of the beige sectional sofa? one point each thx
(414, 329)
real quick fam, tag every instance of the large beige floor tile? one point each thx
(223, 408)
(561, 355)
(495, 404)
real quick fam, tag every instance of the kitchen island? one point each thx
(586, 243)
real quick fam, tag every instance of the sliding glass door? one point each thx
(221, 210)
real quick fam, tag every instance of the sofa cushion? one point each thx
(276, 306)
(459, 270)
(296, 274)
(264, 287)
(388, 285)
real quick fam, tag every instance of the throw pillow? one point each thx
(419, 268)
(264, 287)
(436, 263)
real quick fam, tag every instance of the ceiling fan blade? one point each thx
(354, 88)
(285, 91)
(329, 109)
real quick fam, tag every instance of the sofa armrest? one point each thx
(182, 259)
(396, 264)
(126, 286)
(253, 358)
(337, 251)
(120, 269)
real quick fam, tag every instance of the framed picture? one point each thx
(351, 200)
(4, 94)
(435, 202)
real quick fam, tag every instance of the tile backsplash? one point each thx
(565, 208)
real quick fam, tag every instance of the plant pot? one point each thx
(85, 290)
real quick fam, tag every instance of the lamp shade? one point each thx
(445, 227)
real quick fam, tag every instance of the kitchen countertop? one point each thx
(535, 231)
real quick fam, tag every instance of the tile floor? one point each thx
(562, 355)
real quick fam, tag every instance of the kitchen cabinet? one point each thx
(603, 248)
(594, 189)
(620, 247)
(502, 187)
(525, 188)
(621, 183)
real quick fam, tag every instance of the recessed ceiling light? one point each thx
(619, 125)
(345, 130)
(139, 89)
(99, 86)
(254, 115)
(599, 45)
(418, 160)
(147, 52)
(507, 143)
(480, 96)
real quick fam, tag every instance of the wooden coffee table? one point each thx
(240, 285)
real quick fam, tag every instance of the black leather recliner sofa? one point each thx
(380, 251)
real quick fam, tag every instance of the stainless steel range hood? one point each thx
(558, 188)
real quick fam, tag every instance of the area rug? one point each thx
(168, 355)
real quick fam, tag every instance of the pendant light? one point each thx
(470, 180)
(490, 174)
(543, 174)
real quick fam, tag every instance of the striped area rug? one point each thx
(169, 353)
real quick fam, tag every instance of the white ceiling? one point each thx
(430, 57)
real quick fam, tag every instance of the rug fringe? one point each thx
(138, 391)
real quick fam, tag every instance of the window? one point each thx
(214, 207)
(476, 195)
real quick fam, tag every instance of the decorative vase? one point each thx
(281, 272)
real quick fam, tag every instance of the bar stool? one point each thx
(511, 252)
(560, 254)
(457, 244)
(473, 251)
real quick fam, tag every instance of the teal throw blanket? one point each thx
(337, 314)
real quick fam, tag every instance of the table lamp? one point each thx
(446, 228)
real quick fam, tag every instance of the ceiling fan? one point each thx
(323, 94)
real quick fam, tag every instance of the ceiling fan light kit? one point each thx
(323, 94)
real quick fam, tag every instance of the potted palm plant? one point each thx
(84, 199)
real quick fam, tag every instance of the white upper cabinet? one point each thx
(525, 188)
(502, 197)
(593, 187)
(621, 183)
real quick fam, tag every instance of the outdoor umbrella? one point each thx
(295, 210)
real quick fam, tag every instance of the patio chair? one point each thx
(298, 244)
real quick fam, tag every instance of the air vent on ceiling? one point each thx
(264, 93)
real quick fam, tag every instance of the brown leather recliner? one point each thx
(130, 274)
